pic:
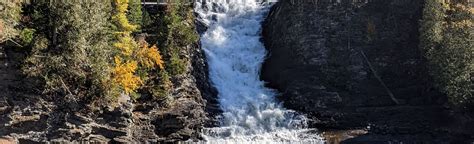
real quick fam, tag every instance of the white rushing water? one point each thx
(235, 55)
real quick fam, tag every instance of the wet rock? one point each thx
(201, 27)
(324, 58)
(317, 53)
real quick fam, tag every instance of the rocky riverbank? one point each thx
(26, 116)
(357, 65)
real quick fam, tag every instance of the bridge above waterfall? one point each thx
(166, 2)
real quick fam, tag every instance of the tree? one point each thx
(431, 29)
(9, 18)
(177, 33)
(456, 57)
(125, 66)
(135, 14)
(132, 62)
(448, 46)
(71, 49)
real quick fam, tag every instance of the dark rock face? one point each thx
(326, 58)
(27, 116)
(316, 49)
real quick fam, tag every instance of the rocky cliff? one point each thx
(350, 65)
(27, 116)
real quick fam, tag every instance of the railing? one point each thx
(154, 3)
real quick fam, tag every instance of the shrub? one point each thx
(26, 35)
(176, 65)
(147, 20)
(456, 57)
(163, 88)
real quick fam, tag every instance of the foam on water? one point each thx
(235, 55)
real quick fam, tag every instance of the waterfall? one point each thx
(235, 55)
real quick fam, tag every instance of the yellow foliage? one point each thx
(121, 16)
(124, 75)
(121, 5)
(126, 44)
(150, 57)
(131, 58)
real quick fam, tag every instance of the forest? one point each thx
(97, 51)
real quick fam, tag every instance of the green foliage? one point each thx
(447, 40)
(87, 49)
(147, 20)
(26, 35)
(134, 64)
(71, 50)
(176, 65)
(177, 32)
(9, 18)
(179, 18)
(162, 89)
(432, 25)
(135, 15)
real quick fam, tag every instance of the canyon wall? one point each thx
(350, 65)
(28, 116)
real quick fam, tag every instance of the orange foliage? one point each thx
(124, 75)
(150, 57)
(131, 59)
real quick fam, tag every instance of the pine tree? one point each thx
(448, 45)
(9, 18)
(431, 30)
(135, 14)
(178, 33)
(456, 57)
(72, 48)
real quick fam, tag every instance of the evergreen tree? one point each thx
(10, 12)
(432, 26)
(455, 59)
(135, 14)
(72, 49)
(447, 41)
(177, 33)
